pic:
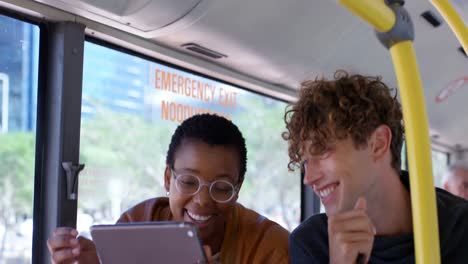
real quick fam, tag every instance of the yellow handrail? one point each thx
(423, 202)
(419, 153)
(454, 21)
(374, 12)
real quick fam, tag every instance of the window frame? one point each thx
(58, 129)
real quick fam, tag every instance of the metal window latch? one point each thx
(72, 171)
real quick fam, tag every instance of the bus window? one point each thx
(439, 166)
(19, 49)
(404, 158)
(130, 108)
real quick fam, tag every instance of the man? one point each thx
(456, 180)
(347, 134)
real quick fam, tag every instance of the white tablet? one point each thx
(148, 242)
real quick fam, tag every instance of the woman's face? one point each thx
(209, 163)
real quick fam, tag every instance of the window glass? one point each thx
(19, 48)
(131, 107)
(404, 158)
(439, 166)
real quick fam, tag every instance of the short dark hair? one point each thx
(212, 130)
(350, 105)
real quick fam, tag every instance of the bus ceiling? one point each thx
(270, 46)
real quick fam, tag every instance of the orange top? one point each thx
(249, 237)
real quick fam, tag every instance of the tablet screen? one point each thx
(148, 242)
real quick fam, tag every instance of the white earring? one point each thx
(167, 194)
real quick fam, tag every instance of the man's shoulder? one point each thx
(308, 243)
(451, 205)
(447, 199)
(453, 226)
(315, 222)
(314, 227)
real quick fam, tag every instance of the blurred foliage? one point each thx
(16, 175)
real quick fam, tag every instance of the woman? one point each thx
(205, 151)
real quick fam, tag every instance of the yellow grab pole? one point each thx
(426, 237)
(454, 21)
(374, 12)
(423, 202)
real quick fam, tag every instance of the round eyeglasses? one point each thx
(220, 191)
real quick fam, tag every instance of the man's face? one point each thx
(340, 175)
(458, 183)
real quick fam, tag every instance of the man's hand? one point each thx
(350, 234)
(65, 247)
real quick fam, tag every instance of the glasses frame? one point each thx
(202, 183)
